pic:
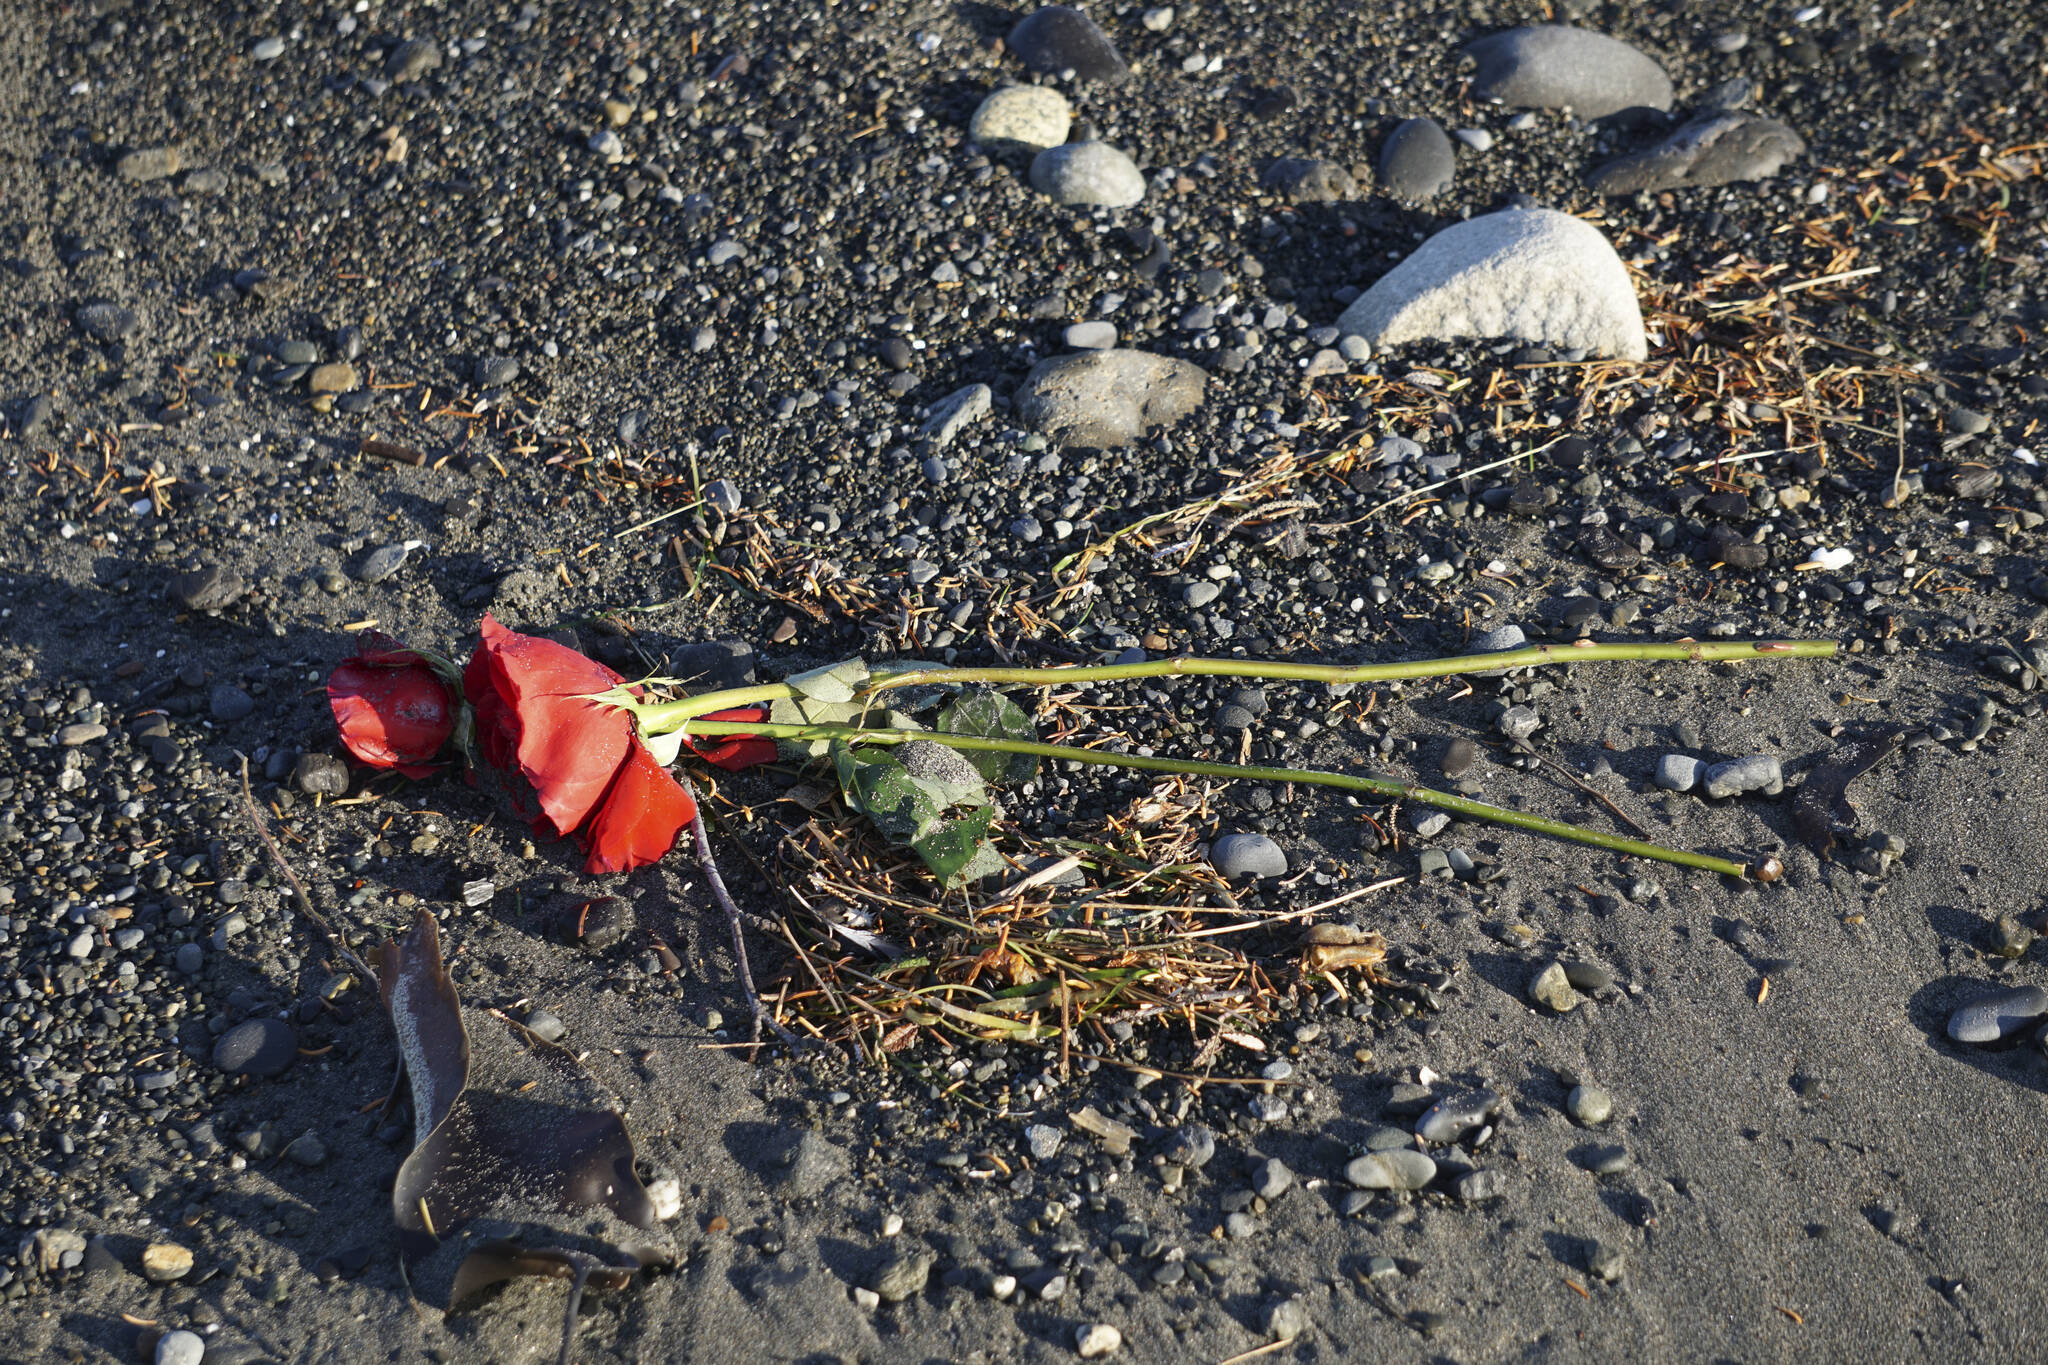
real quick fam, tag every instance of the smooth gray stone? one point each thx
(1105, 399)
(1532, 275)
(1400, 1169)
(1247, 855)
(1989, 1018)
(1678, 772)
(1417, 162)
(1550, 66)
(1719, 149)
(1087, 175)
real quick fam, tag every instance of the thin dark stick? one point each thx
(1568, 775)
(583, 1265)
(334, 941)
(733, 917)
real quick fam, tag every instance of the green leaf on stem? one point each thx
(950, 847)
(910, 811)
(991, 715)
(832, 683)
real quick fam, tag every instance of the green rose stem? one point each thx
(666, 717)
(1767, 869)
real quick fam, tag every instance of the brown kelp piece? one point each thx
(1823, 798)
(521, 1163)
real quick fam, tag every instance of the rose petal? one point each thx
(639, 818)
(735, 752)
(391, 717)
(533, 716)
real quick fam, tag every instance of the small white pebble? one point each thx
(1097, 1339)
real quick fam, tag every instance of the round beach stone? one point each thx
(256, 1047)
(1247, 855)
(1589, 1104)
(163, 1262)
(1533, 275)
(1416, 162)
(1999, 1015)
(1678, 772)
(1551, 66)
(1400, 1169)
(1087, 175)
(1032, 117)
(1097, 1339)
(180, 1347)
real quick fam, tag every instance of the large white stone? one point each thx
(1533, 275)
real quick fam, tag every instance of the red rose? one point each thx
(563, 762)
(733, 752)
(392, 706)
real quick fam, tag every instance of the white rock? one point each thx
(180, 1348)
(1532, 275)
(1832, 559)
(1097, 1339)
(1032, 117)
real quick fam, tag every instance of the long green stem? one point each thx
(1377, 786)
(665, 717)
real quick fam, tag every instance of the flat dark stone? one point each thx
(1059, 38)
(256, 1047)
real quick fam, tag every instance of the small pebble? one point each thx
(1097, 1339)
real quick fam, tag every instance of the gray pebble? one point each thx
(1720, 149)
(1286, 1320)
(229, 703)
(79, 733)
(1428, 822)
(190, 958)
(1087, 175)
(1590, 1105)
(1107, 399)
(384, 561)
(1057, 38)
(1678, 772)
(1452, 1117)
(320, 774)
(1247, 855)
(547, 1026)
(1751, 773)
(953, 412)
(1190, 1145)
(1999, 1015)
(1396, 1170)
(903, 1274)
(1550, 66)
(307, 1150)
(1091, 336)
(1552, 989)
(1416, 162)
(180, 1347)
(256, 1047)
(1519, 722)
(496, 371)
(1043, 1140)
(1271, 1179)
(1477, 1187)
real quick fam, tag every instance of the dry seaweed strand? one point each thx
(1036, 963)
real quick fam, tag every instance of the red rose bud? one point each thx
(392, 707)
(566, 764)
(733, 752)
